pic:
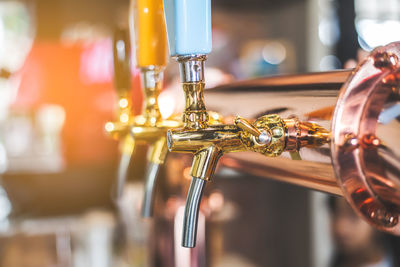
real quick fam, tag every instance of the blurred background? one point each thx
(58, 167)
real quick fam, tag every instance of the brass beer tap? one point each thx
(269, 135)
(149, 127)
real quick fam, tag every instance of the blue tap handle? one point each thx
(188, 26)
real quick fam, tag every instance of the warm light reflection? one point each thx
(109, 127)
(186, 173)
(216, 201)
(124, 118)
(123, 103)
(166, 102)
(136, 130)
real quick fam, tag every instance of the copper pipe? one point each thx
(309, 96)
(359, 112)
(331, 80)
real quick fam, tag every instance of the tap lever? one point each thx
(271, 135)
(266, 135)
(262, 137)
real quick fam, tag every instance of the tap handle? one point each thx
(188, 26)
(150, 31)
(122, 66)
(266, 135)
(271, 135)
(262, 137)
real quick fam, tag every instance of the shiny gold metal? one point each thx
(274, 128)
(245, 125)
(120, 128)
(269, 135)
(122, 83)
(312, 97)
(195, 115)
(150, 128)
(209, 144)
(362, 161)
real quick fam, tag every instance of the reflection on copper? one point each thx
(331, 80)
(216, 201)
(308, 96)
(365, 166)
(321, 114)
(307, 174)
(362, 171)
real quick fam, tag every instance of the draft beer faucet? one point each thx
(189, 37)
(149, 127)
(120, 128)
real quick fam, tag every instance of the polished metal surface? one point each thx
(192, 208)
(209, 142)
(192, 68)
(309, 97)
(269, 134)
(122, 174)
(365, 147)
(151, 76)
(148, 199)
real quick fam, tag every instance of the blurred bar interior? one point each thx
(58, 168)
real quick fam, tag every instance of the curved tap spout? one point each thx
(157, 154)
(148, 199)
(192, 209)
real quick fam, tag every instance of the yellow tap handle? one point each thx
(150, 31)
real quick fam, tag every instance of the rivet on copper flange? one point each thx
(384, 218)
(385, 60)
(392, 79)
(370, 141)
(351, 142)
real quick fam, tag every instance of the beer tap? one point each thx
(149, 127)
(189, 36)
(151, 54)
(119, 129)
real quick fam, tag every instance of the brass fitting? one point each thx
(149, 128)
(151, 83)
(207, 145)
